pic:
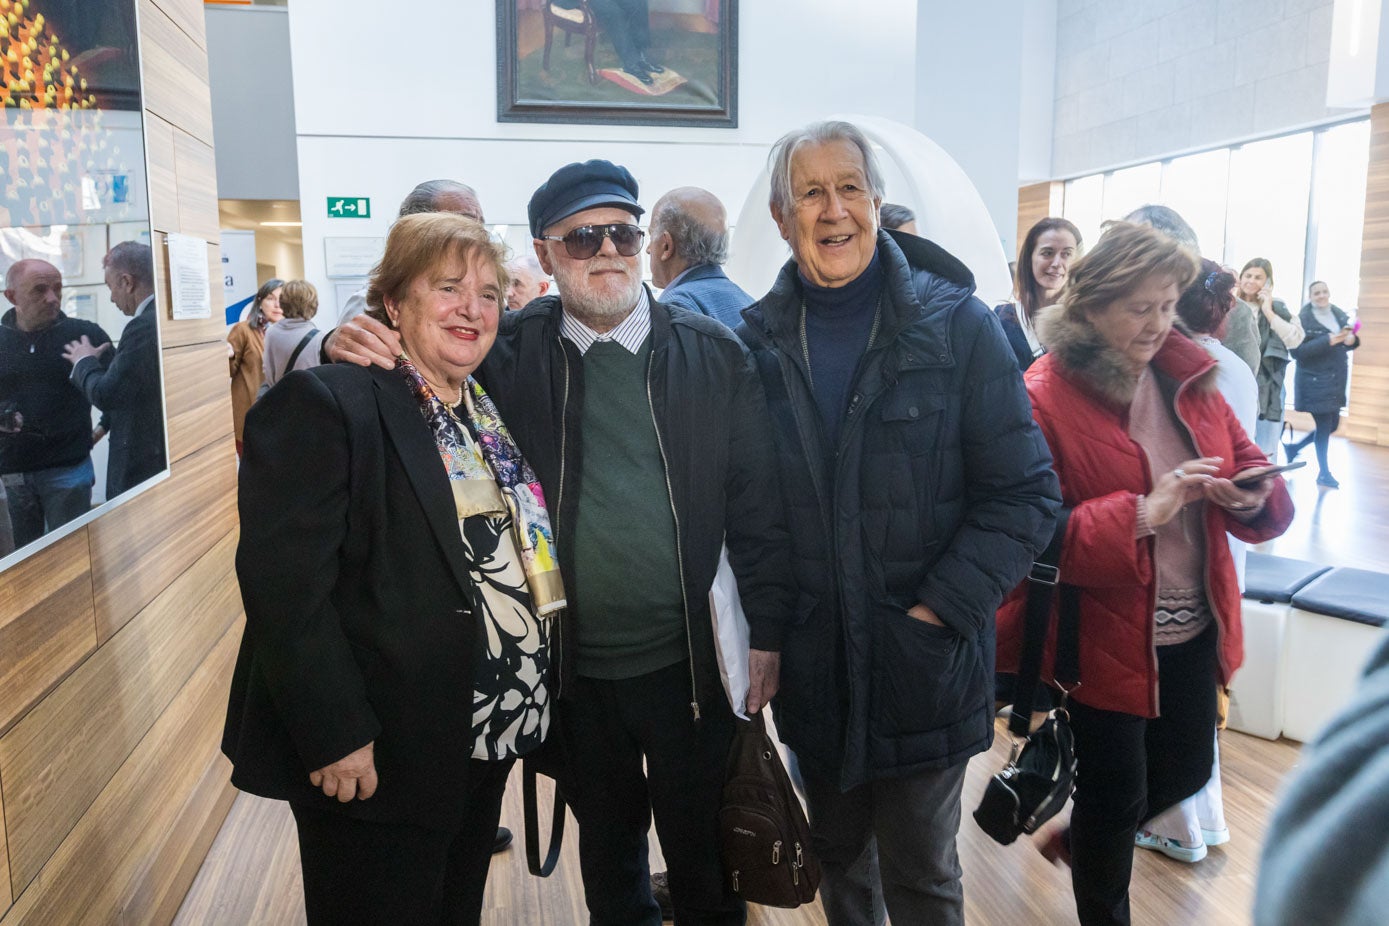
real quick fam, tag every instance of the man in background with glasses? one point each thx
(647, 427)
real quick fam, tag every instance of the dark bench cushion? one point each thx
(1277, 578)
(1354, 594)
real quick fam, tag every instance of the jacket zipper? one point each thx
(679, 547)
(559, 504)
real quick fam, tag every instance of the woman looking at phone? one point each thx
(1323, 369)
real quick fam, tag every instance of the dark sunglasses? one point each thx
(587, 240)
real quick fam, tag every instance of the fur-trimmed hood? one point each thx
(1081, 351)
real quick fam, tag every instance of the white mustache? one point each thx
(606, 266)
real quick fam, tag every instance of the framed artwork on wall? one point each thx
(618, 62)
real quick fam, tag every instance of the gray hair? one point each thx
(695, 242)
(133, 258)
(1168, 221)
(424, 197)
(783, 197)
(530, 264)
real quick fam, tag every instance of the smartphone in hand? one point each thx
(1253, 476)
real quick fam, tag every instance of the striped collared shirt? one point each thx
(630, 333)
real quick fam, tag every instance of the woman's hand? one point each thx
(1266, 300)
(352, 776)
(1242, 502)
(1175, 490)
(364, 341)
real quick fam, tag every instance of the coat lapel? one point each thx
(420, 456)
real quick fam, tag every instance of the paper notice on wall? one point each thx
(189, 289)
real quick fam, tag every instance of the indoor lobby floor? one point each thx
(251, 873)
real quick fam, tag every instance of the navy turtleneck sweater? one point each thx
(838, 322)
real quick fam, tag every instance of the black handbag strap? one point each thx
(532, 817)
(300, 349)
(1042, 582)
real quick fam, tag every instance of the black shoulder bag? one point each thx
(1040, 774)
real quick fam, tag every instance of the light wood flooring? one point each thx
(251, 874)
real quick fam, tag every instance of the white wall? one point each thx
(374, 124)
(1138, 80)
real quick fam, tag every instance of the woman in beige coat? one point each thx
(247, 344)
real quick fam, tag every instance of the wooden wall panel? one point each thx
(197, 189)
(102, 872)
(159, 143)
(188, 16)
(5, 897)
(176, 87)
(188, 331)
(57, 759)
(1036, 201)
(145, 544)
(199, 412)
(1368, 413)
(47, 623)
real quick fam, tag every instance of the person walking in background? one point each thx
(246, 348)
(1145, 448)
(1266, 345)
(1044, 261)
(292, 343)
(1322, 374)
(689, 246)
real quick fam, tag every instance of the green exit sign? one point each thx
(349, 207)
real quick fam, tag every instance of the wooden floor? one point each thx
(251, 874)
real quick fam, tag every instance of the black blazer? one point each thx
(361, 618)
(127, 392)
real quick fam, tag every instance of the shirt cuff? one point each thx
(1141, 527)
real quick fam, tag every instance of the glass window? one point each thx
(1125, 190)
(1267, 217)
(1084, 205)
(1197, 187)
(1338, 218)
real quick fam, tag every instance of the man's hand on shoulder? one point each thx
(363, 340)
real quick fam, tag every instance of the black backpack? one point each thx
(763, 834)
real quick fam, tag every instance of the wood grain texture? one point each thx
(1368, 411)
(175, 67)
(186, 331)
(143, 546)
(47, 623)
(1036, 201)
(188, 15)
(5, 897)
(57, 759)
(104, 870)
(197, 189)
(163, 182)
(197, 401)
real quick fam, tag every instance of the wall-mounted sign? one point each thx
(188, 277)
(351, 257)
(349, 207)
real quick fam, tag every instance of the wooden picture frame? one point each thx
(558, 61)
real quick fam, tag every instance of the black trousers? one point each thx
(360, 872)
(1326, 425)
(1131, 768)
(609, 727)
(628, 26)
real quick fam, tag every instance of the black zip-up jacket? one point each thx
(940, 491)
(57, 428)
(712, 425)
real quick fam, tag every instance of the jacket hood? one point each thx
(1083, 353)
(8, 319)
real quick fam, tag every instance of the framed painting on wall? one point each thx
(620, 62)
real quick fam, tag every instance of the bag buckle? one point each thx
(1044, 574)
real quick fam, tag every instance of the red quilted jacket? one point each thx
(1085, 420)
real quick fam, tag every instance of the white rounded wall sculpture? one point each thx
(919, 175)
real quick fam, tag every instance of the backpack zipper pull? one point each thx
(776, 852)
(694, 707)
(735, 880)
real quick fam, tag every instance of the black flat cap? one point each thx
(576, 187)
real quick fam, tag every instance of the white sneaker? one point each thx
(1215, 837)
(1172, 848)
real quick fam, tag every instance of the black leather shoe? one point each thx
(1328, 481)
(502, 841)
(653, 68)
(660, 889)
(639, 72)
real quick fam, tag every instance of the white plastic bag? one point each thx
(731, 637)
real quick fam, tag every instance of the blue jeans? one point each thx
(1266, 434)
(45, 499)
(888, 847)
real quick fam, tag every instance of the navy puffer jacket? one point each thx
(941, 492)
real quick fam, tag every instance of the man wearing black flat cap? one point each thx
(646, 425)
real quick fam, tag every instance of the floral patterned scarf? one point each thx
(486, 472)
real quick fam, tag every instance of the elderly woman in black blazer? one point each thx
(397, 568)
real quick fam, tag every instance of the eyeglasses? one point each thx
(587, 240)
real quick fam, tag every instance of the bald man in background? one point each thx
(529, 281)
(689, 246)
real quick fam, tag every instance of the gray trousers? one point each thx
(888, 847)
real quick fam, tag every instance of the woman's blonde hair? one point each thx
(1125, 256)
(298, 299)
(418, 244)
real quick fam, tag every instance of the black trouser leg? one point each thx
(609, 726)
(1327, 423)
(628, 26)
(1131, 768)
(470, 853)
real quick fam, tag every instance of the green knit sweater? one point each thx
(630, 617)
